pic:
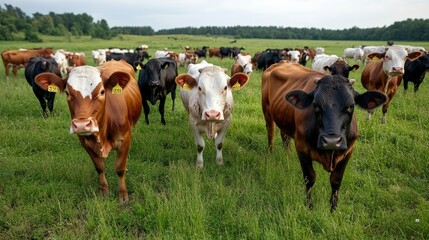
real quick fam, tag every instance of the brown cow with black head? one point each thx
(317, 111)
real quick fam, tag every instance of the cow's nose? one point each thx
(212, 115)
(397, 70)
(331, 142)
(81, 125)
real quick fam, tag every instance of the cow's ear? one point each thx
(50, 82)
(238, 81)
(327, 69)
(370, 99)
(414, 55)
(354, 68)
(375, 56)
(186, 81)
(299, 98)
(117, 81)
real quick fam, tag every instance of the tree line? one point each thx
(13, 22)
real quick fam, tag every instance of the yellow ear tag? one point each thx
(186, 86)
(236, 86)
(117, 89)
(138, 67)
(374, 58)
(53, 88)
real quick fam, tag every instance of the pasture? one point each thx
(48, 184)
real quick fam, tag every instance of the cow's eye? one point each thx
(102, 92)
(226, 87)
(199, 89)
(351, 108)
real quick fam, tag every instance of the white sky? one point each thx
(168, 14)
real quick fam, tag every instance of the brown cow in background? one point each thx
(19, 58)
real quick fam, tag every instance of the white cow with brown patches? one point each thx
(208, 99)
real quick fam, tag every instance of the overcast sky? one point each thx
(167, 14)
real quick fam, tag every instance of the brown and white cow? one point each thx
(208, 99)
(105, 103)
(243, 63)
(386, 73)
(19, 58)
(317, 111)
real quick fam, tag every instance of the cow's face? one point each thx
(86, 95)
(424, 59)
(340, 67)
(213, 88)
(394, 59)
(155, 81)
(331, 110)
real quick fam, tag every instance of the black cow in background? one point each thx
(415, 71)
(38, 65)
(131, 58)
(269, 57)
(156, 81)
(202, 53)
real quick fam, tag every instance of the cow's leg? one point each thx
(219, 143)
(406, 85)
(336, 179)
(173, 95)
(286, 140)
(309, 176)
(416, 86)
(146, 111)
(161, 109)
(121, 166)
(269, 125)
(368, 115)
(51, 99)
(99, 167)
(6, 70)
(40, 96)
(199, 142)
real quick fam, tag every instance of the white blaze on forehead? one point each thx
(84, 79)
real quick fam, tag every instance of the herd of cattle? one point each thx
(315, 107)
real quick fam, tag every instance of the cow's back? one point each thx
(130, 95)
(279, 79)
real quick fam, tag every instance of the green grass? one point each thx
(48, 184)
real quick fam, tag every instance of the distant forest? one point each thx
(16, 25)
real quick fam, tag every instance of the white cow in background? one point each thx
(353, 53)
(208, 100)
(62, 61)
(320, 61)
(371, 49)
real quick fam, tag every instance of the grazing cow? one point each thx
(317, 111)
(156, 81)
(105, 103)
(38, 65)
(202, 53)
(208, 100)
(225, 52)
(214, 52)
(19, 58)
(386, 73)
(353, 53)
(415, 71)
(242, 64)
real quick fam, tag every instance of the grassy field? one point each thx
(48, 184)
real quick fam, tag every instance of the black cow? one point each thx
(268, 58)
(415, 71)
(38, 65)
(225, 52)
(235, 51)
(156, 81)
(201, 52)
(131, 58)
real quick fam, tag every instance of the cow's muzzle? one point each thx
(84, 126)
(331, 142)
(212, 115)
